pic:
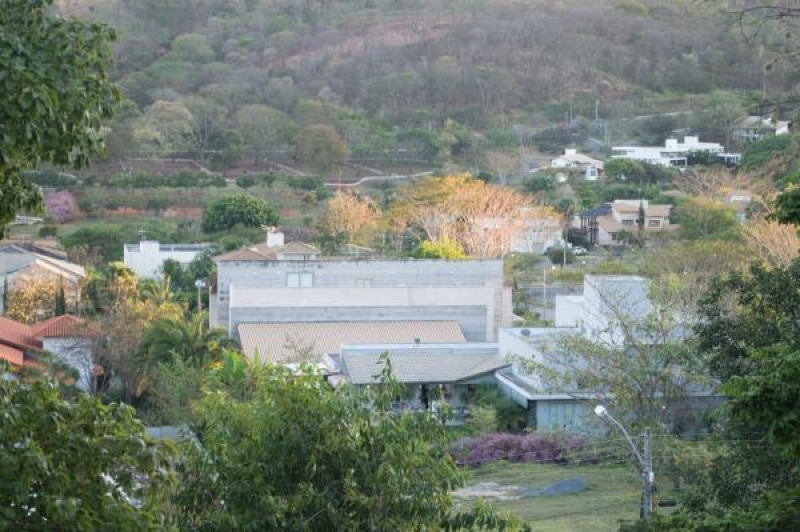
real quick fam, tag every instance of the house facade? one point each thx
(755, 128)
(673, 153)
(18, 264)
(147, 257)
(294, 283)
(592, 168)
(607, 224)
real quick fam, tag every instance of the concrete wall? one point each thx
(469, 292)
(147, 257)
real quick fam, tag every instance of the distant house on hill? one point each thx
(754, 128)
(604, 225)
(592, 168)
(674, 153)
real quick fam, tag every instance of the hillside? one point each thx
(233, 81)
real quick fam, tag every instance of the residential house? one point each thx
(294, 283)
(146, 258)
(674, 153)
(68, 338)
(18, 263)
(753, 128)
(592, 168)
(430, 372)
(605, 312)
(606, 224)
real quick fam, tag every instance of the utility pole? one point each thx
(647, 477)
(645, 461)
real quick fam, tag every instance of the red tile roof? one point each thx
(66, 326)
(13, 356)
(16, 334)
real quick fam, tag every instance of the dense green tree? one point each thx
(188, 338)
(55, 94)
(281, 450)
(619, 168)
(78, 465)
(320, 146)
(239, 209)
(103, 241)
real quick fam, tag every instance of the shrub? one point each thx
(534, 447)
(240, 209)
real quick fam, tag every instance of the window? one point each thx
(627, 222)
(653, 223)
(300, 280)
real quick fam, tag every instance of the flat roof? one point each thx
(310, 341)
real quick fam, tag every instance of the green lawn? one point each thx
(613, 494)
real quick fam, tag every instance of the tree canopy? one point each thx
(78, 465)
(239, 209)
(56, 91)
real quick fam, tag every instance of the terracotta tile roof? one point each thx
(66, 326)
(13, 356)
(16, 334)
(279, 342)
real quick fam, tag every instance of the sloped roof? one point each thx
(412, 366)
(263, 252)
(16, 334)
(296, 248)
(66, 326)
(279, 342)
(13, 356)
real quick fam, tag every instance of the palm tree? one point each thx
(187, 338)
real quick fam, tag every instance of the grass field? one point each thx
(613, 494)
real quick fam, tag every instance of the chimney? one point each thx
(274, 237)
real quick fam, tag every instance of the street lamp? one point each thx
(645, 461)
(200, 284)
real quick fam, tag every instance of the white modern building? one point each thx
(147, 257)
(673, 153)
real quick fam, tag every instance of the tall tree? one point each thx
(55, 94)
(78, 465)
(282, 450)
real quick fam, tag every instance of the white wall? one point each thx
(147, 257)
(76, 353)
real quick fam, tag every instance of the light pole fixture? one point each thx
(200, 284)
(645, 461)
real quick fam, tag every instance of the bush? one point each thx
(48, 231)
(534, 447)
(560, 256)
(239, 209)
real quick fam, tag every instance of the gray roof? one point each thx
(422, 364)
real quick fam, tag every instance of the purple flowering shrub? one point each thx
(533, 447)
(61, 206)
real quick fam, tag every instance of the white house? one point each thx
(592, 168)
(673, 153)
(147, 257)
(753, 128)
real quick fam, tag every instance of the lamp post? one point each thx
(645, 461)
(200, 284)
